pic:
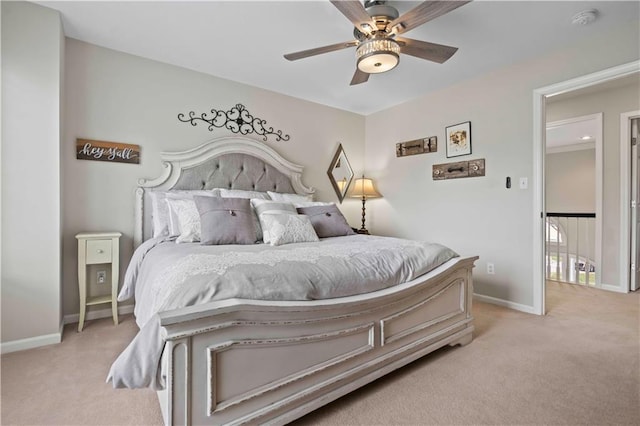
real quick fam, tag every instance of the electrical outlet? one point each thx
(491, 269)
(102, 277)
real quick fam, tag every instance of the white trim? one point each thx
(505, 303)
(625, 197)
(539, 207)
(572, 147)
(32, 342)
(54, 338)
(614, 288)
(102, 313)
(539, 128)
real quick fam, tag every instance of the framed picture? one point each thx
(458, 139)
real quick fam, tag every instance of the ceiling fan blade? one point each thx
(319, 50)
(359, 77)
(422, 13)
(356, 13)
(423, 49)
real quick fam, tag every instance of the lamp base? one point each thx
(362, 231)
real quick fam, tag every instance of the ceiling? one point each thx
(572, 135)
(244, 41)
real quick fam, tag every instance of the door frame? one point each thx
(539, 136)
(625, 197)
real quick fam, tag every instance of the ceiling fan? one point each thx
(377, 26)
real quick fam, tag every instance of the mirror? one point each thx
(340, 173)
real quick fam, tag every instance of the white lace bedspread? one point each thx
(165, 276)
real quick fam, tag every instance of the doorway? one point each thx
(573, 195)
(539, 129)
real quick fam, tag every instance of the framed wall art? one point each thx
(458, 139)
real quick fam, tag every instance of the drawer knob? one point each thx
(100, 251)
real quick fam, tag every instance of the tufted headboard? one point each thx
(232, 162)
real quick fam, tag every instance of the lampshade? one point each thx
(341, 184)
(364, 188)
(378, 55)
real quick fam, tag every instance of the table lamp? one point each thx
(363, 188)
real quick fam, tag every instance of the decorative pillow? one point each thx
(160, 210)
(174, 226)
(238, 193)
(185, 219)
(225, 220)
(288, 228)
(266, 207)
(291, 198)
(327, 221)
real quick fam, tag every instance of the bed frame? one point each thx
(245, 361)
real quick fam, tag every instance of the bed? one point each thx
(243, 360)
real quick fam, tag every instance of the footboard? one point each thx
(240, 361)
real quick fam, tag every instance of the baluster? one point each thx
(567, 259)
(546, 251)
(577, 264)
(558, 274)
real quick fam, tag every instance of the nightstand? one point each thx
(98, 248)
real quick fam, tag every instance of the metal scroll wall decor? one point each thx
(238, 120)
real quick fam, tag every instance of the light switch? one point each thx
(524, 183)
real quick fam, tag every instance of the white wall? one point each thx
(571, 181)
(114, 96)
(32, 52)
(478, 216)
(611, 102)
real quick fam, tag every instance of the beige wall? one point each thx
(611, 102)
(114, 96)
(479, 216)
(571, 181)
(32, 52)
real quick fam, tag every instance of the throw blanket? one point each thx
(165, 276)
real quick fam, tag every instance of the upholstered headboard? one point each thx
(233, 163)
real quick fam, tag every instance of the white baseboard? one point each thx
(102, 313)
(31, 342)
(506, 303)
(52, 339)
(614, 288)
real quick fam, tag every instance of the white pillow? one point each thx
(185, 219)
(288, 228)
(160, 210)
(291, 198)
(311, 204)
(267, 207)
(239, 193)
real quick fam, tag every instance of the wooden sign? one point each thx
(116, 152)
(418, 146)
(461, 169)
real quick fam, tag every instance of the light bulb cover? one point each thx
(378, 55)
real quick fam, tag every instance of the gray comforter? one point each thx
(163, 276)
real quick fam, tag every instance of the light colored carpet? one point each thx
(580, 364)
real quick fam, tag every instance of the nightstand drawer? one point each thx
(98, 251)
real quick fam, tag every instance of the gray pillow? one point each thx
(225, 221)
(327, 221)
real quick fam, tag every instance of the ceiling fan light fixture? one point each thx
(378, 55)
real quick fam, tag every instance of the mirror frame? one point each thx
(340, 193)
